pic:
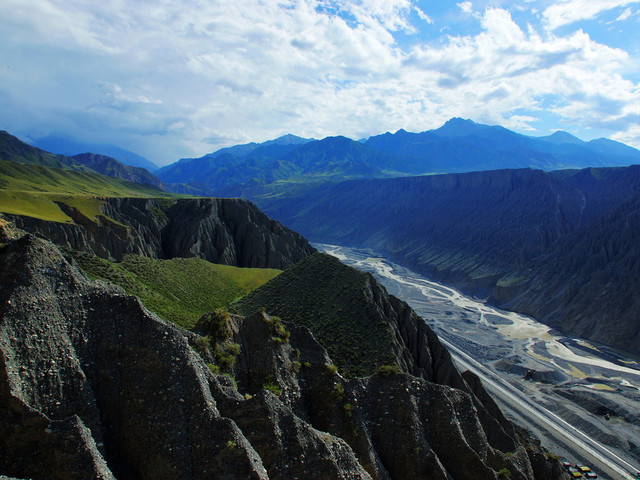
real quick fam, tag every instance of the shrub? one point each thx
(273, 388)
(225, 354)
(504, 473)
(203, 344)
(388, 369)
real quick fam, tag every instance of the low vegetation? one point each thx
(33, 190)
(180, 290)
(331, 300)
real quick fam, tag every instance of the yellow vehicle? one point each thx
(583, 469)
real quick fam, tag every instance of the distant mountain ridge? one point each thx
(289, 163)
(226, 174)
(68, 147)
(463, 146)
(15, 150)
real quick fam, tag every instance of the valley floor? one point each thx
(581, 399)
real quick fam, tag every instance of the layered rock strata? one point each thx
(225, 231)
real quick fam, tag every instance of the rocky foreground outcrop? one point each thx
(92, 385)
(225, 231)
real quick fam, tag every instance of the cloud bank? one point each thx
(175, 79)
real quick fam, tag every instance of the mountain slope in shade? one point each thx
(113, 168)
(269, 166)
(14, 150)
(561, 246)
(69, 147)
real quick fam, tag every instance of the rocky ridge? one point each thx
(92, 385)
(225, 231)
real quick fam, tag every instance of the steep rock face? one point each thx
(343, 300)
(226, 231)
(468, 229)
(398, 425)
(94, 386)
(560, 246)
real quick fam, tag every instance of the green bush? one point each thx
(504, 473)
(273, 388)
(388, 370)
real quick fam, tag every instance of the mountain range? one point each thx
(94, 385)
(14, 150)
(69, 147)
(291, 163)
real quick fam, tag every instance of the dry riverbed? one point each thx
(592, 387)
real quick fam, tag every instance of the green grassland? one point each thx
(180, 290)
(33, 190)
(332, 300)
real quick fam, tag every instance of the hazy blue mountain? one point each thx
(463, 145)
(268, 166)
(559, 137)
(288, 164)
(113, 168)
(69, 147)
(287, 141)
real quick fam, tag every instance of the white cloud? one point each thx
(466, 7)
(165, 79)
(422, 15)
(624, 15)
(569, 11)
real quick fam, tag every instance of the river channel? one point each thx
(588, 386)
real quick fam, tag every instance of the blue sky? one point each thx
(183, 78)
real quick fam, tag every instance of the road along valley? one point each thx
(580, 398)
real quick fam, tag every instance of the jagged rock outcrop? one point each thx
(94, 386)
(306, 294)
(225, 231)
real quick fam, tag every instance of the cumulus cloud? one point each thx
(182, 79)
(569, 11)
(466, 7)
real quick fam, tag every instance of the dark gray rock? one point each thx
(94, 386)
(225, 231)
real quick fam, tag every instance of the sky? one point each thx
(169, 79)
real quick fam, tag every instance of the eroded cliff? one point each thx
(225, 231)
(92, 385)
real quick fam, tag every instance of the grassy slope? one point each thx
(331, 300)
(180, 290)
(32, 190)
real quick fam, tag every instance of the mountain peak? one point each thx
(458, 127)
(288, 139)
(559, 137)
